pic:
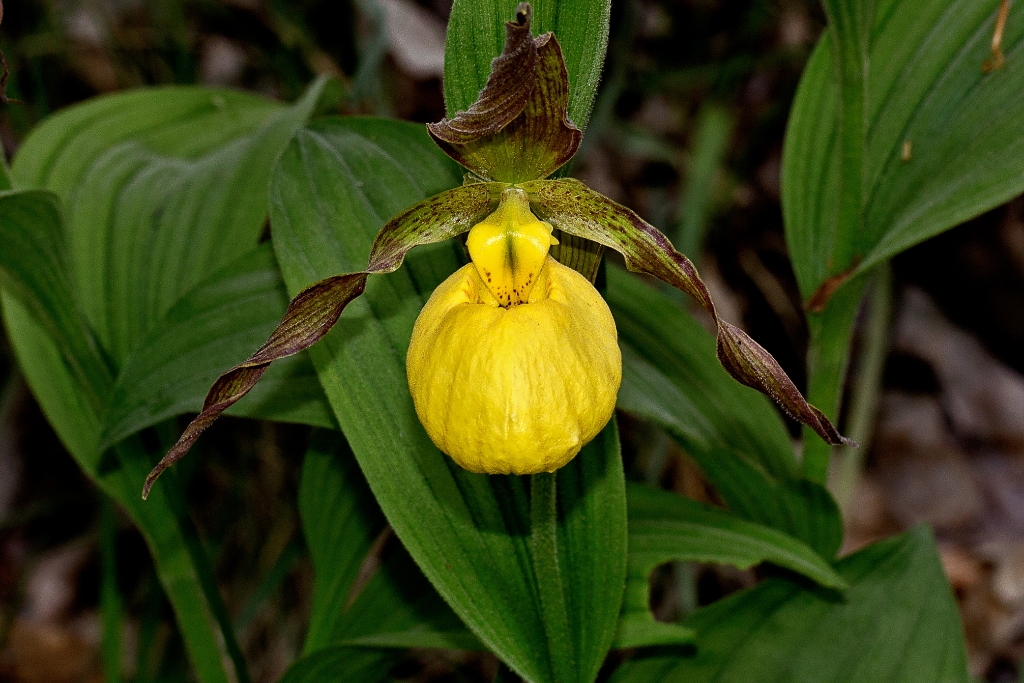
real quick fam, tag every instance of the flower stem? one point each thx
(827, 359)
(544, 543)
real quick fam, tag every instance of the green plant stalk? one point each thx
(149, 623)
(182, 565)
(831, 331)
(544, 544)
(828, 357)
(110, 596)
(867, 385)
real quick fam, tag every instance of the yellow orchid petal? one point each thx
(509, 248)
(514, 389)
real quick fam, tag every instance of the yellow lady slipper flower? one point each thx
(514, 362)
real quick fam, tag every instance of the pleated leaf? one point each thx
(159, 202)
(336, 185)
(897, 622)
(159, 189)
(340, 521)
(666, 527)
(69, 400)
(940, 139)
(220, 321)
(34, 269)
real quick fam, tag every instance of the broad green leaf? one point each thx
(942, 144)
(218, 322)
(34, 268)
(897, 622)
(161, 188)
(153, 211)
(638, 628)
(669, 376)
(576, 556)
(179, 121)
(476, 35)
(336, 185)
(913, 139)
(666, 527)
(669, 365)
(63, 393)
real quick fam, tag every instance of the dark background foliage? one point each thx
(688, 130)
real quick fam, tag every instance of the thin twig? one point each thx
(998, 60)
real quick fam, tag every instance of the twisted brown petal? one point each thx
(315, 310)
(572, 207)
(513, 74)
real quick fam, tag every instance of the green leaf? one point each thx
(927, 101)
(572, 207)
(937, 146)
(221, 320)
(61, 392)
(340, 521)
(151, 211)
(897, 622)
(579, 592)
(666, 527)
(733, 433)
(340, 664)
(397, 608)
(669, 365)
(336, 185)
(476, 35)
(161, 188)
(637, 627)
(34, 268)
